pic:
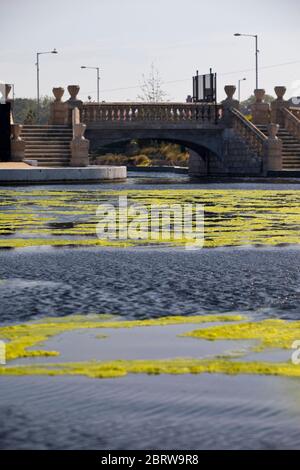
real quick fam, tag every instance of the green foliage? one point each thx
(25, 110)
(245, 105)
(144, 153)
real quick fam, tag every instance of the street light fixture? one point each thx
(98, 78)
(239, 87)
(256, 52)
(54, 51)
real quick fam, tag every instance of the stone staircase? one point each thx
(49, 145)
(290, 148)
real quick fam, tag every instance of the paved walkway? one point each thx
(14, 166)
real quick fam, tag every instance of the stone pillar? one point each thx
(8, 87)
(277, 106)
(79, 146)
(197, 164)
(73, 102)
(58, 109)
(260, 111)
(273, 150)
(17, 144)
(229, 103)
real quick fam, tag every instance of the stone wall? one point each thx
(237, 159)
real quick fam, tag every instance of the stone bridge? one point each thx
(220, 139)
(202, 128)
(197, 127)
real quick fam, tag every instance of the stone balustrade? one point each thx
(292, 121)
(248, 132)
(147, 112)
(295, 111)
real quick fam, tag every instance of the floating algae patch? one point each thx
(119, 368)
(269, 334)
(27, 335)
(67, 218)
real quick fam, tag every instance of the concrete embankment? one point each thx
(26, 174)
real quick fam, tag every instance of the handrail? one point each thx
(137, 111)
(295, 111)
(249, 132)
(292, 122)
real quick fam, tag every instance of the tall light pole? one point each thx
(54, 51)
(256, 53)
(98, 78)
(239, 88)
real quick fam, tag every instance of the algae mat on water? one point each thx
(270, 333)
(68, 218)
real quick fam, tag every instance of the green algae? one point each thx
(27, 335)
(232, 217)
(176, 366)
(269, 334)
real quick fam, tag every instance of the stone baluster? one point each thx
(278, 105)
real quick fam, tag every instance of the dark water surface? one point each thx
(143, 283)
(150, 412)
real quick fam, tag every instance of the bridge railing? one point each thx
(295, 111)
(291, 118)
(138, 112)
(248, 132)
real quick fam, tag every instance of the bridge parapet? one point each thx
(159, 113)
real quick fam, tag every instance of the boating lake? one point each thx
(258, 279)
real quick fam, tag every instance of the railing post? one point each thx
(272, 150)
(58, 109)
(260, 110)
(79, 145)
(73, 102)
(228, 104)
(278, 105)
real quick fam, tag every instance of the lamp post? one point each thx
(54, 51)
(239, 88)
(98, 78)
(256, 52)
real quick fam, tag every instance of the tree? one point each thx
(245, 105)
(151, 87)
(25, 109)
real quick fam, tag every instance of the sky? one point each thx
(124, 37)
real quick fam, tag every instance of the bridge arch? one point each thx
(203, 143)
